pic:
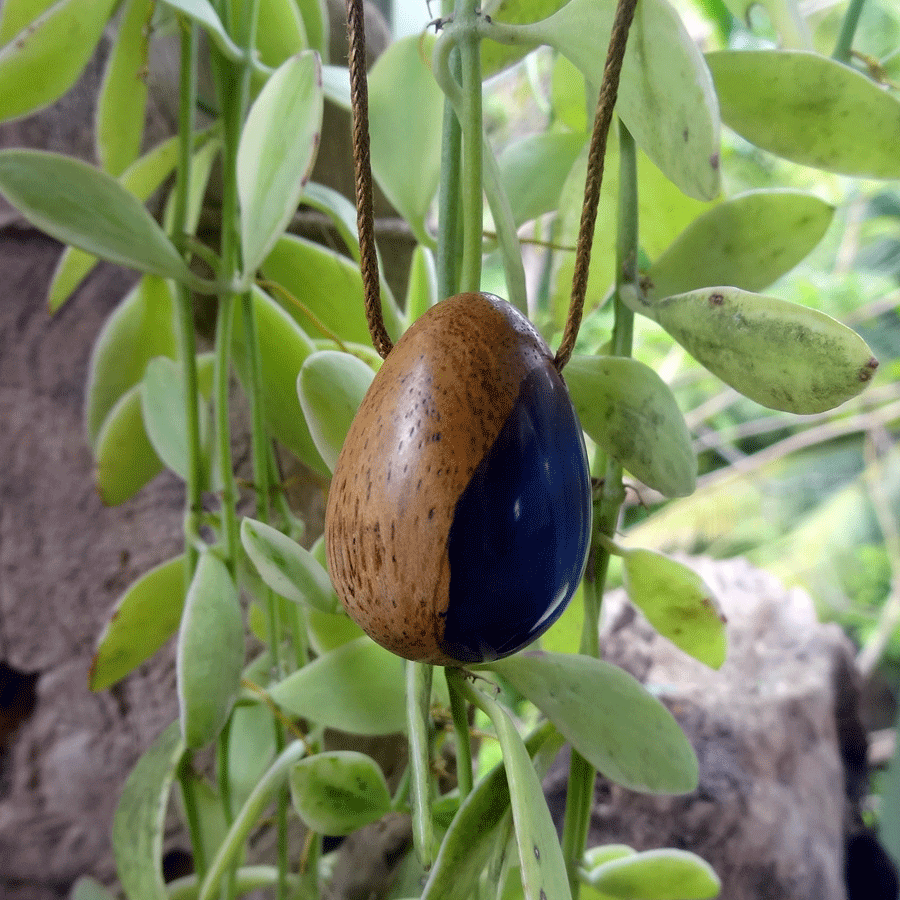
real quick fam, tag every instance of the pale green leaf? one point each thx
(316, 25)
(143, 619)
(16, 14)
(251, 748)
(677, 603)
(210, 652)
(279, 31)
(358, 688)
(82, 206)
(496, 57)
(657, 875)
(276, 153)
(140, 328)
(784, 15)
(339, 791)
(328, 631)
(780, 354)
(421, 291)
(286, 567)
(331, 387)
(608, 717)
(809, 109)
(629, 411)
(203, 13)
(137, 831)
(405, 116)
(121, 104)
(44, 59)
(89, 889)
(748, 242)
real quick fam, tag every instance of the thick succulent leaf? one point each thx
(748, 242)
(251, 748)
(328, 631)
(121, 104)
(629, 411)
(331, 386)
(276, 152)
(124, 456)
(82, 206)
(608, 717)
(657, 875)
(677, 603)
(358, 688)
(339, 791)
(534, 169)
(421, 292)
(283, 348)
(286, 567)
(666, 95)
(210, 652)
(140, 328)
(780, 354)
(141, 178)
(405, 116)
(137, 832)
(279, 31)
(143, 619)
(482, 824)
(496, 57)
(809, 109)
(44, 59)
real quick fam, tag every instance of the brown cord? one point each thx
(365, 215)
(608, 92)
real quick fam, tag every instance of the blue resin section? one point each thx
(521, 529)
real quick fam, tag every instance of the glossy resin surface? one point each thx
(459, 517)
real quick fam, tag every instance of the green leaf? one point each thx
(405, 123)
(315, 25)
(125, 458)
(89, 889)
(483, 822)
(276, 153)
(608, 717)
(666, 95)
(496, 57)
(677, 603)
(251, 749)
(780, 354)
(339, 791)
(785, 16)
(657, 875)
(629, 411)
(143, 619)
(748, 242)
(137, 831)
(40, 63)
(210, 652)
(201, 169)
(331, 386)
(326, 283)
(328, 631)
(809, 109)
(140, 328)
(122, 102)
(421, 291)
(82, 206)
(203, 13)
(283, 348)
(534, 169)
(141, 178)
(279, 31)
(16, 14)
(597, 856)
(286, 567)
(358, 688)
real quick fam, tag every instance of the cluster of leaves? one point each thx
(298, 341)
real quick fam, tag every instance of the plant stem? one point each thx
(449, 218)
(848, 29)
(192, 816)
(460, 716)
(247, 878)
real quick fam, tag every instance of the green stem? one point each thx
(418, 705)
(607, 507)
(247, 878)
(248, 816)
(848, 29)
(192, 815)
(449, 214)
(460, 716)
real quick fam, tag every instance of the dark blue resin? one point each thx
(521, 529)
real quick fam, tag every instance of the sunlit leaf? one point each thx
(210, 652)
(279, 31)
(629, 411)
(809, 109)
(339, 791)
(137, 831)
(657, 875)
(143, 619)
(677, 603)
(276, 153)
(119, 117)
(82, 206)
(16, 14)
(780, 354)
(44, 59)
(331, 387)
(608, 717)
(358, 688)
